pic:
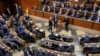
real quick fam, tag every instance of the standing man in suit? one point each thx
(20, 10)
(50, 24)
(55, 19)
(66, 20)
(8, 13)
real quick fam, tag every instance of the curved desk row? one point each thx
(72, 20)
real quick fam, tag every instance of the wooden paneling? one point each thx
(47, 15)
(71, 20)
(27, 4)
(3, 6)
(32, 12)
(61, 17)
(39, 13)
(96, 26)
(82, 23)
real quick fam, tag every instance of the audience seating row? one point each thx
(55, 36)
(46, 52)
(89, 39)
(59, 46)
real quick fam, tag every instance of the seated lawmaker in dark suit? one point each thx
(98, 19)
(8, 13)
(69, 12)
(95, 8)
(17, 17)
(4, 16)
(76, 14)
(55, 10)
(61, 11)
(89, 8)
(27, 17)
(49, 9)
(76, 7)
(86, 15)
(58, 4)
(54, 3)
(62, 5)
(43, 8)
(2, 21)
(82, 8)
(67, 5)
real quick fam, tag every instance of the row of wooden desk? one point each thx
(72, 20)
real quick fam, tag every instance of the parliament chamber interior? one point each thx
(49, 27)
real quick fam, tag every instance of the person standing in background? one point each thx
(50, 24)
(55, 19)
(66, 20)
(20, 10)
(8, 13)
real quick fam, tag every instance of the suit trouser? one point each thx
(55, 24)
(50, 28)
(66, 27)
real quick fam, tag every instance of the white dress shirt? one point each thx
(98, 19)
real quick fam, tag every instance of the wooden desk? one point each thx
(71, 20)
(61, 17)
(82, 23)
(39, 13)
(96, 26)
(48, 14)
(32, 12)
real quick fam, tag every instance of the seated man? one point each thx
(17, 17)
(96, 18)
(55, 10)
(11, 44)
(89, 8)
(20, 28)
(54, 36)
(86, 38)
(69, 12)
(76, 7)
(86, 15)
(67, 5)
(61, 11)
(70, 48)
(82, 8)
(62, 5)
(14, 22)
(43, 8)
(4, 16)
(2, 21)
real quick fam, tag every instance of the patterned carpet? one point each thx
(76, 34)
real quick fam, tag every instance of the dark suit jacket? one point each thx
(67, 6)
(77, 7)
(96, 9)
(89, 8)
(83, 8)
(55, 18)
(94, 17)
(50, 23)
(69, 13)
